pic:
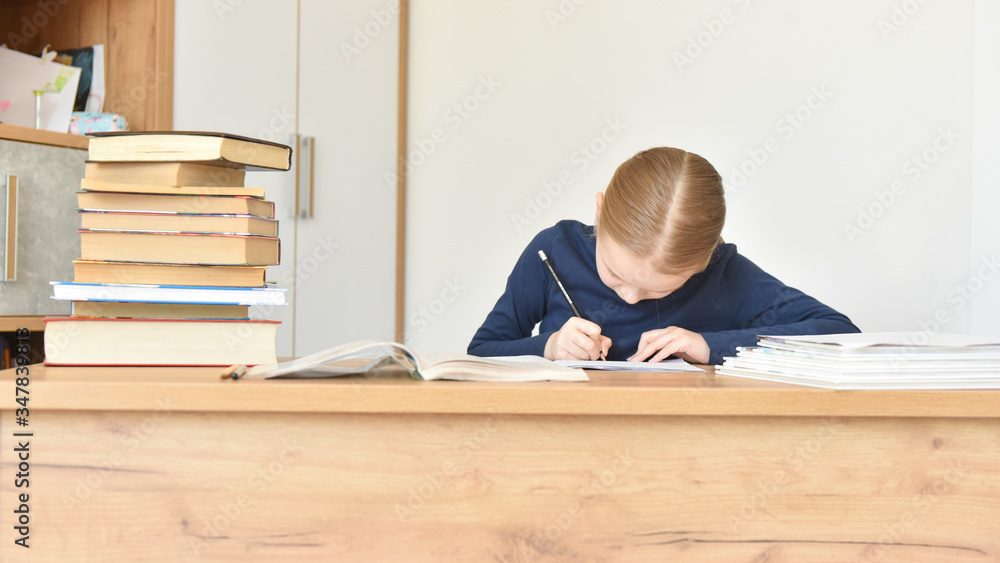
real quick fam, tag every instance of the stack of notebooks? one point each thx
(174, 250)
(887, 360)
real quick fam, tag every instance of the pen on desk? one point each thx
(562, 288)
(234, 371)
(229, 371)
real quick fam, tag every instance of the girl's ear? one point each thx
(600, 200)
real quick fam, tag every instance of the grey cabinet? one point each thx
(43, 222)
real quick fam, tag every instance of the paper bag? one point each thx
(21, 75)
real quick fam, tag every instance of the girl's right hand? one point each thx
(578, 339)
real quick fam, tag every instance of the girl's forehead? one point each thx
(635, 270)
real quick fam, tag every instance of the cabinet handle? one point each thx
(304, 175)
(10, 253)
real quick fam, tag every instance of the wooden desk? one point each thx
(10, 323)
(175, 465)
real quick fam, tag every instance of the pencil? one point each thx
(562, 288)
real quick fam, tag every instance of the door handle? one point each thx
(10, 251)
(304, 176)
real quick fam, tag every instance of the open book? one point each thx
(672, 364)
(379, 355)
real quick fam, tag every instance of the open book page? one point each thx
(673, 364)
(379, 353)
(343, 360)
(463, 367)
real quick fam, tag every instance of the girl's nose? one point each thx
(629, 294)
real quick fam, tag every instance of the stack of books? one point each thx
(174, 250)
(886, 360)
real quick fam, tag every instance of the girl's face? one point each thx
(630, 276)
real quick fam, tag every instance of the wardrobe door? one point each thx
(345, 252)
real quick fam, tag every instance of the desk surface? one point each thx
(173, 464)
(608, 393)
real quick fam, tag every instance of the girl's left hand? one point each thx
(662, 342)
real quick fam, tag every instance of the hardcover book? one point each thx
(158, 342)
(178, 223)
(179, 248)
(163, 173)
(174, 203)
(142, 310)
(219, 149)
(192, 189)
(99, 271)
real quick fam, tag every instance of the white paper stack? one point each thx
(886, 360)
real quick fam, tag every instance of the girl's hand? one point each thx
(578, 339)
(660, 343)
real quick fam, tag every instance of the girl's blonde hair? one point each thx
(668, 205)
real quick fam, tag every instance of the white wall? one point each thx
(874, 89)
(985, 305)
(534, 91)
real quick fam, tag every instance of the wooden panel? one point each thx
(163, 106)
(28, 27)
(60, 24)
(138, 36)
(63, 31)
(161, 485)
(42, 137)
(131, 68)
(12, 323)
(609, 393)
(93, 22)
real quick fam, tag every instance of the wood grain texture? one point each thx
(163, 105)
(165, 485)
(43, 137)
(10, 323)
(132, 74)
(93, 22)
(138, 38)
(608, 393)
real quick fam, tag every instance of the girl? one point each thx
(652, 278)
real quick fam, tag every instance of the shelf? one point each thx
(138, 39)
(43, 137)
(32, 323)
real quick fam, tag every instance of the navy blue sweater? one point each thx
(729, 304)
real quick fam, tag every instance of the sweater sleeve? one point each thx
(508, 327)
(764, 305)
